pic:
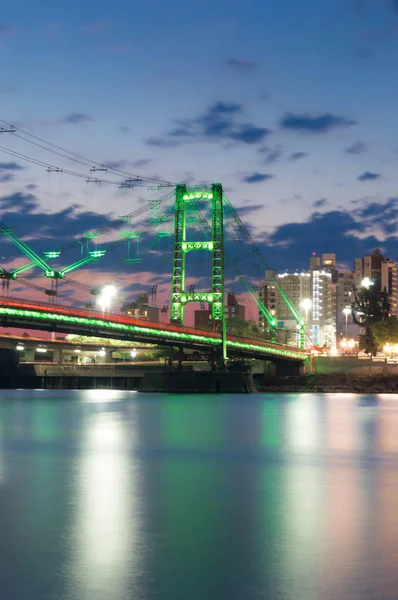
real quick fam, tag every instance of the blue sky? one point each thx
(291, 105)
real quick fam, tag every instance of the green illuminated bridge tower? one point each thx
(215, 297)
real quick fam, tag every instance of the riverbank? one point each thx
(331, 383)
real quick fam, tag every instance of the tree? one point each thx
(237, 326)
(386, 332)
(370, 306)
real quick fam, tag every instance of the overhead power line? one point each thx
(73, 156)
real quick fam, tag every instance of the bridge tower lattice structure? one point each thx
(214, 297)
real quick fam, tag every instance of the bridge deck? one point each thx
(36, 315)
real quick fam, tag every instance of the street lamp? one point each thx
(366, 282)
(104, 299)
(133, 354)
(346, 311)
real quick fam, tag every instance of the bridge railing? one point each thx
(117, 317)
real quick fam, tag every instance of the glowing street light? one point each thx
(133, 354)
(104, 299)
(346, 311)
(366, 282)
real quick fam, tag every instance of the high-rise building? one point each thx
(344, 290)
(202, 316)
(141, 309)
(234, 309)
(202, 319)
(311, 292)
(382, 271)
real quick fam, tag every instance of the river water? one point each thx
(122, 496)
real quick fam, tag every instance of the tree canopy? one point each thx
(370, 307)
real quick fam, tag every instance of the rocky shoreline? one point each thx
(324, 384)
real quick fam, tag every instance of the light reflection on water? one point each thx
(119, 495)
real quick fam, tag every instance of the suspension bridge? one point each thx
(191, 241)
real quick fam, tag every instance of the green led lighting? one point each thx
(52, 253)
(179, 297)
(47, 316)
(97, 253)
(51, 274)
(39, 262)
(198, 196)
(156, 333)
(27, 267)
(129, 235)
(268, 350)
(187, 246)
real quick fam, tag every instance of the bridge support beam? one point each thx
(288, 368)
(29, 354)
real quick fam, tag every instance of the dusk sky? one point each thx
(290, 105)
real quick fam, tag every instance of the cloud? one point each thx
(141, 162)
(382, 215)
(298, 155)
(115, 164)
(10, 166)
(257, 177)
(249, 134)
(290, 246)
(242, 65)
(314, 124)
(162, 142)
(368, 176)
(220, 122)
(357, 148)
(248, 209)
(319, 203)
(5, 177)
(31, 187)
(76, 117)
(124, 129)
(271, 154)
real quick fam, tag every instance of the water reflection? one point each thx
(104, 540)
(113, 495)
(303, 432)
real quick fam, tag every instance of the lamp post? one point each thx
(346, 311)
(306, 305)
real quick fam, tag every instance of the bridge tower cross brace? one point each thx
(215, 297)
